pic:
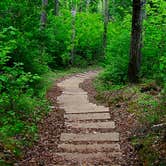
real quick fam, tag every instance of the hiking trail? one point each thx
(89, 137)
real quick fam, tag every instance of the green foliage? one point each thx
(20, 22)
(116, 60)
(162, 67)
(28, 51)
(19, 108)
(119, 9)
(59, 38)
(153, 48)
(87, 42)
(147, 108)
(154, 40)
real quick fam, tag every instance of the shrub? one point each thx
(116, 60)
(19, 107)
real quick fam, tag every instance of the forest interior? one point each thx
(83, 82)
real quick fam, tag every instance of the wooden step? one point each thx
(91, 125)
(83, 157)
(89, 147)
(88, 116)
(113, 136)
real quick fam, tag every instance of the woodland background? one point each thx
(42, 40)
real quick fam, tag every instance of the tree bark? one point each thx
(44, 13)
(74, 11)
(136, 42)
(56, 10)
(106, 20)
(87, 5)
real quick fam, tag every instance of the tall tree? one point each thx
(136, 41)
(106, 20)
(87, 5)
(56, 9)
(44, 13)
(73, 11)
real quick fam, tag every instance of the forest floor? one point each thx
(74, 133)
(86, 134)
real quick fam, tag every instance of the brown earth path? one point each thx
(89, 137)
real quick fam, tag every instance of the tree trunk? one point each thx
(87, 5)
(56, 10)
(106, 19)
(74, 11)
(44, 13)
(136, 42)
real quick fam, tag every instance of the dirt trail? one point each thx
(89, 137)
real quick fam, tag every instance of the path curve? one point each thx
(89, 137)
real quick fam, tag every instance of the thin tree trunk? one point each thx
(113, 9)
(136, 42)
(87, 5)
(56, 10)
(106, 20)
(143, 9)
(74, 11)
(102, 1)
(44, 13)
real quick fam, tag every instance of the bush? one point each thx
(117, 53)
(19, 107)
(154, 40)
(87, 43)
